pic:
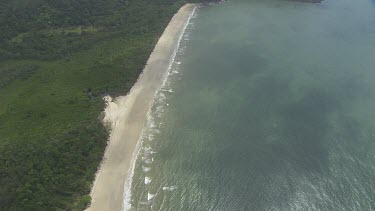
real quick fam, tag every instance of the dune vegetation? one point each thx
(58, 58)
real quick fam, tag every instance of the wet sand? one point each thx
(127, 115)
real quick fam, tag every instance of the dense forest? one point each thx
(57, 59)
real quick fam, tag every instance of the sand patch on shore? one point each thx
(126, 116)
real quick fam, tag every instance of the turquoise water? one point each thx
(269, 105)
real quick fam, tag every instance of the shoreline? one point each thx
(126, 116)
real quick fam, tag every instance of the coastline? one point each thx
(126, 116)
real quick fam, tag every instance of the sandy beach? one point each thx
(126, 117)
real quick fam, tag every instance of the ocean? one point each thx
(268, 105)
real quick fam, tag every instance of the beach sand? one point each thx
(127, 115)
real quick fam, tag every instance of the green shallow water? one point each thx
(269, 105)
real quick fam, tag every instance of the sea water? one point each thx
(268, 105)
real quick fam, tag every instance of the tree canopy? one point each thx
(57, 59)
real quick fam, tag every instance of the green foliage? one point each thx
(56, 171)
(9, 74)
(29, 28)
(57, 59)
(83, 202)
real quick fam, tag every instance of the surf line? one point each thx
(129, 180)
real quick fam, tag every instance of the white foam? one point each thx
(169, 188)
(147, 149)
(148, 161)
(161, 98)
(129, 180)
(167, 90)
(151, 137)
(159, 111)
(150, 196)
(150, 122)
(147, 180)
(146, 169)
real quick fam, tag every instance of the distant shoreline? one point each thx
(126, 116)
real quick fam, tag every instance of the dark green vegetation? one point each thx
(57, 59)
(9, 74)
